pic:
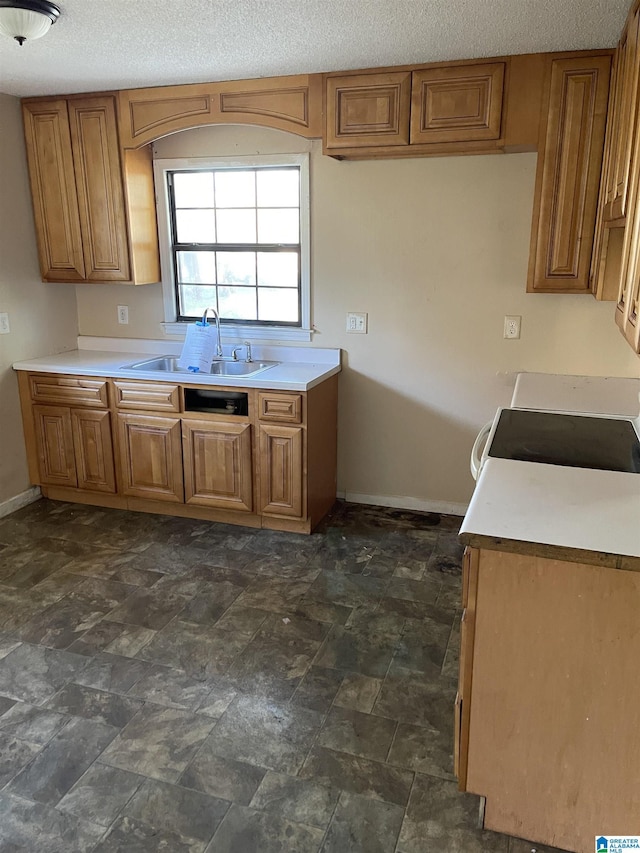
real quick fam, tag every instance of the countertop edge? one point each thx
(551, 552)
(261, 381)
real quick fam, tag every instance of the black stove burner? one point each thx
(576, 441)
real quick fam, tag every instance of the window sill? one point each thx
(242, 333)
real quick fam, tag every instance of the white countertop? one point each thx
(575, 508)
(554, 505)
(300, 368)
(596, 395)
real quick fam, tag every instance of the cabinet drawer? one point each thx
(280, 408)
(152, 396)
(72, 390)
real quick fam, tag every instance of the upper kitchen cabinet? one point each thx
(458, 104)
(94, 210)
(622, 112)
(415, 111)
(570, 155)
(470, 107)
(613, 204)
(368, 110)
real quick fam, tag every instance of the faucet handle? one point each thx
(249, 356)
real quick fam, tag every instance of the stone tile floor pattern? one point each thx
(176, 685)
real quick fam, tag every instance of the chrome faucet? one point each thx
(234, 352)
(217, 319)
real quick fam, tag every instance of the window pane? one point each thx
(236, 226)
(278, 225)
(197, 267)
(278, 269)
(237, 303)
(278, 304)
(237, 268)
(194, 300)
(196, 226)
(235, 189)
(278, 188)
(193, 189)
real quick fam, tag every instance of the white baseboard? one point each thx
(23, 499)
(444, 507)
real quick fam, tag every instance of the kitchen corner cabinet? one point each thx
(548, 703)
(164, 447)
(570, 155)
(93, 209)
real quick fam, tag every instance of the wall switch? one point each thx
(4, 324)
(512, 326)
(357, 322)
(123, 314)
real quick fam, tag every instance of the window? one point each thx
(234, 236)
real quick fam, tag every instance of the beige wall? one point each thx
(42, 317)
(435, 250)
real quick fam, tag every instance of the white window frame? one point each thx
(234, 331)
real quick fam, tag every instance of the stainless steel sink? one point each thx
(219, 366)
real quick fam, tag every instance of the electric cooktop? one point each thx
(576, 441)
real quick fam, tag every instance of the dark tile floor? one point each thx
(174, 685)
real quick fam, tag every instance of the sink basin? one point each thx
(219, 366)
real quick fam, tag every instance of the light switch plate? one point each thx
(4, 323)
(357, 322)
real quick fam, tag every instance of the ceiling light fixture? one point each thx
(27, 19)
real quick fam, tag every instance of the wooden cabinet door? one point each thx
(568, 176)
(467, 634)
(54, 440)
(368, 110)
(628, 306)
(217, 464)
(462, 103)
(623, 121)
(93, 450)
(53, 189)
(150, 456)
(281, 470)
(94, 138)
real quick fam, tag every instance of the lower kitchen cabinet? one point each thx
(548, 710)
(281, 470)
(463, 696)
(140, 445)
(150, 457)
(54, 439)
(218, 464)
(67, 426)
(93, 450)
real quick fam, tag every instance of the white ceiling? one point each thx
(117, 44)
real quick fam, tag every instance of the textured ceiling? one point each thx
(115, 44)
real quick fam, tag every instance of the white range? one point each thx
(568, 507)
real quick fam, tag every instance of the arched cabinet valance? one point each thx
(285, 103)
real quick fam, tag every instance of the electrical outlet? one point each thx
(123, 314)
(512, 326)
(357, 322)
(4, 324)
